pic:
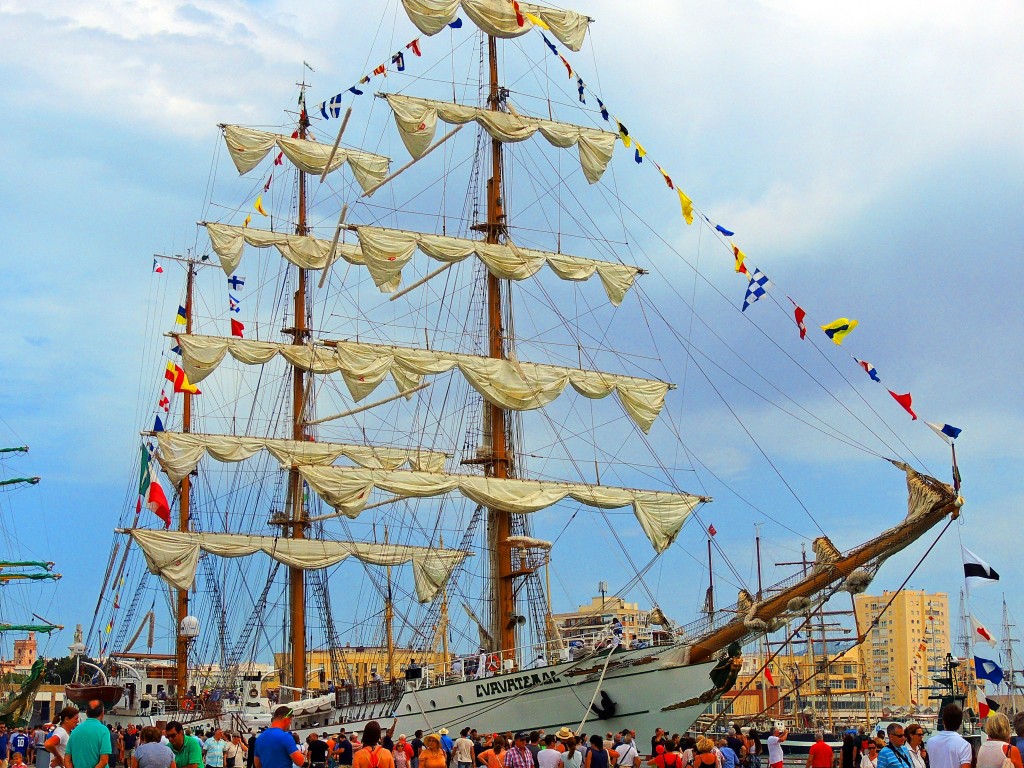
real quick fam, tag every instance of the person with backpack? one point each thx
(997, 752)
(372, 755)
(665, 759)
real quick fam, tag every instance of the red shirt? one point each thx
(821, 755)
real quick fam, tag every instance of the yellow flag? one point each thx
(686, 203)
(624, 134)
(740, 258)
(639, 150)
(258, 205)
(248, 221)
(838, 329)
(536, 20)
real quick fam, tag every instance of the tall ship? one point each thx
(390, 406)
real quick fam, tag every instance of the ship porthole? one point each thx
(408, 707)
(460, 698)
(433, 704)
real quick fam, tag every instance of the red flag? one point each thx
(237, 329)
(519, 14)
(266, 187)
(414, 46)
(567, 65)
(711, 529)
(278, 160)
(983, 707)
(382, 69)
(768, 676)
(799, 314)
(906, 402)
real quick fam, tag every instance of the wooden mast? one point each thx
(296, 522)
(184, 502)
(499, 522)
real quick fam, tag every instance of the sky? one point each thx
(868, 156)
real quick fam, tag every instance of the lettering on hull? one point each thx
(518, 683)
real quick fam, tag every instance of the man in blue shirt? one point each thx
(894, 754)
(4, 745)
(276, 747)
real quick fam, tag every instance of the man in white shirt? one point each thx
(947, 748)
(462, 750)
(775, 747)
(57, 744)
(627, 754)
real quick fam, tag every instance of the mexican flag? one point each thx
(151, 493)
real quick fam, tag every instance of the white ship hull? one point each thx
(639, 682)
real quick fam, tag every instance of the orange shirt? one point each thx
(492, 760)
(383, 758)
(430, 759)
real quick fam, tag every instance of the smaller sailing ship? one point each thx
(16, 707)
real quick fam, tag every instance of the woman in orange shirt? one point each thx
(432, 756)
(372, 755)
(495, 756)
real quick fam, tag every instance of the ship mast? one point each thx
(499, 522)
(295, 521)
(1008, 652)
(184, 501)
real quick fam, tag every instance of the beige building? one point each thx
(358, 665)
(838, 698)
(908, 645)
(588, 621)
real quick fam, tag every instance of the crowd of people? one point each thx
(89, 743)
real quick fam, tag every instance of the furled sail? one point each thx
(180, 453)
(661, 513)
(417, 122)
(385, 252)
(301, 250)
(499, 18)
(508, 384)
(174, 555)
(248, 147)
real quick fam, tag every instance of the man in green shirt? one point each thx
(188, 750)
(89, 744)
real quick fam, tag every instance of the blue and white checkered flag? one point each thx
(331, 108)
(756, 288)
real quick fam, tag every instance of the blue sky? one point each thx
(868, 158)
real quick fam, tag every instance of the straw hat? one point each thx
(432, 737)
(564, 733)
(443, 732)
